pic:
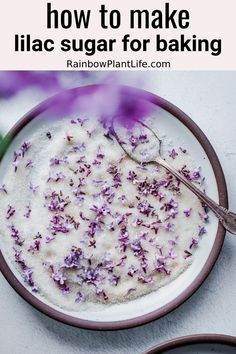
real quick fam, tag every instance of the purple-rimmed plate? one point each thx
(196, 344)
(172, 122)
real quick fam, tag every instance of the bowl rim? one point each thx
(220, 235)
(204, 338)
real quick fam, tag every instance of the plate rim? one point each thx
(220, 234)
(203, 338)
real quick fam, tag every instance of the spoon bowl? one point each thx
(143, 146)
(140, 142)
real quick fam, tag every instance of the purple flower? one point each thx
(152, 241)
(55, 161)
(184, 151)
(27, 272)
(60, 279)
(172, 213)
(174, 241)
(122, 262)
(194, 242)
(140, 252)
(17, 155)
(92, 276)
(56, 177)
(12, 82)
(38, 235)
(101, 211)
(114, 171)
(100, 155)
(3, 188)
(69, 138)
(114, 280)
(124, 239)
(136, 140)
(186, 173)
(122, 219)
(117, 181)
(79, 200)
(160, 249)
(61, 224)
(92, 243)
(49, 238)
(73, 260)
(145, 208)
(83, 217)
(18, 258)
(204, 216)
(15, 164)
(96, 162)
(25, 147)
(16, 235)
(107, 263)
(78, 148)
(10, 212)
(58, 203)
(161, 266)
(169, 227)
(196, 173)
(137, 222)
(28, 211)
(136, 247)
(143, 138)
(187, 254)
(33, 188)
(170, 205)
(92, 229)
(155, 229)
(133, 141)
(101, 293)
(80, 297)
(29, 164)
(132, 271)
(123, 199)
(144, 280)
(108, 192)
(143, 235)
(80, 121)
(144, 187)
(84, 169)
(187, 212)
(132, 177)
(172, 254)
(161, 196)
(173, 154)
(201, 230)
(35, 247)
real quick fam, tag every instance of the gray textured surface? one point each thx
(209, 98)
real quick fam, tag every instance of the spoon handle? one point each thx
(226, 217)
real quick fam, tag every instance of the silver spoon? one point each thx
(152, 154)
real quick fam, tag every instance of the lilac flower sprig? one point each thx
(16, 235)
(20, 154)
(10, 212)
(3, 189)
(59, 278)
(27, 272)
(35, 247)
(173, 154)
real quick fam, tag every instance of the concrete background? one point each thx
(209, 98)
